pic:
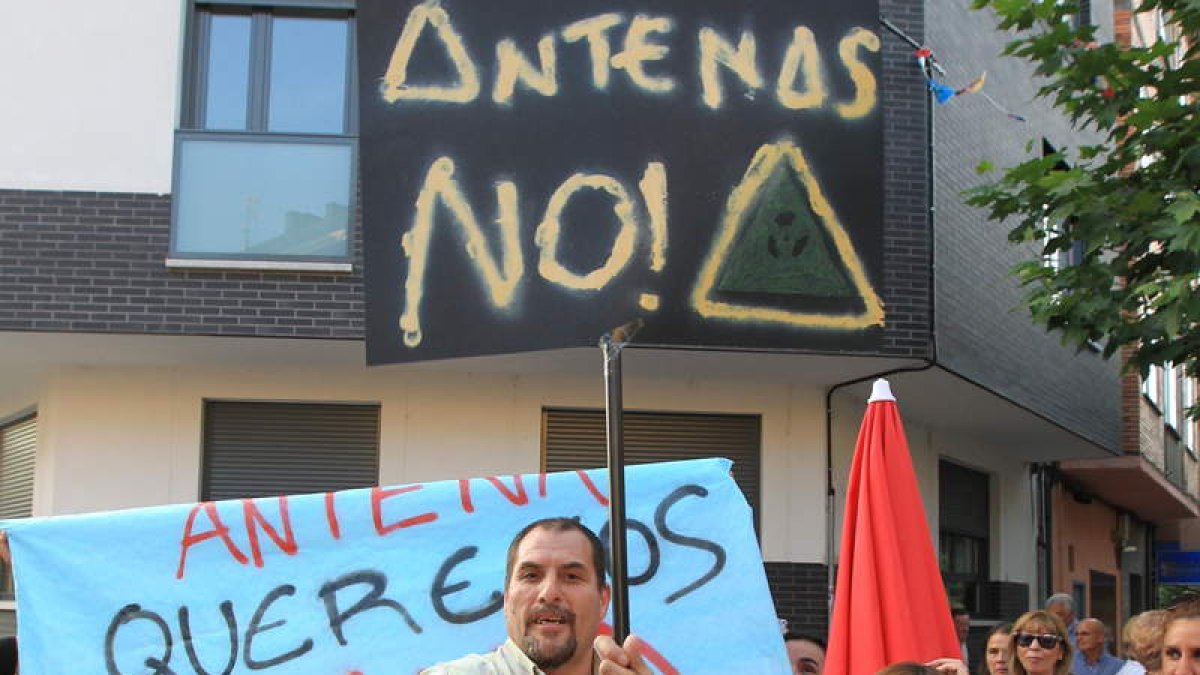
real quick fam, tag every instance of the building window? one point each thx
(1151, 385)
(18, 450)
(964, 524)
(1170, 396)
(265, 156)
(1066, 253)
(1059, 259)
(1187, 425)
(1082, 16)
(263, 449)
(575, 439)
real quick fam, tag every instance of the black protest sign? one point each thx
(535, 173)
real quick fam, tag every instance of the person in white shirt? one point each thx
(555, 597)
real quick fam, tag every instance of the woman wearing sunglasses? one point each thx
(1040, 645)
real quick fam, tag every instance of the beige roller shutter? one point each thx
(18, 447)
(259, 449)
(18, 450)
(574, 439)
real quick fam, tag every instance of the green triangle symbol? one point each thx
(783, 249)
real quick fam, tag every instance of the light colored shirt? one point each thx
(1132, 667)
(1107, 664)
(508, 659)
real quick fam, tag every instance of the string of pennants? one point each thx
(942, 92)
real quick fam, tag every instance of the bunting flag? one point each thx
(942, 93)
(975, 86)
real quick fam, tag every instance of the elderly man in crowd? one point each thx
(1063, 606)
(1092, 657)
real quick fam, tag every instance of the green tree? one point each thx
(1127, 204)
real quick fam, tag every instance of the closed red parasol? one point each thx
(889, 602)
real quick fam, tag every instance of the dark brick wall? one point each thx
(998, 601)
(906, 242)
(86, 261)
(983, 332)
(1003, 600)
(801, 595)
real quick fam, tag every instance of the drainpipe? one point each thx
(830, 493)
(1043, 477)
(929, 362)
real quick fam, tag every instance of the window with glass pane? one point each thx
(1187, 426)
(1170, 396)
(264, 163)
(1150, 386)
(964, 524)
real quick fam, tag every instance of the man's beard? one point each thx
(545, 656)
(547, 660)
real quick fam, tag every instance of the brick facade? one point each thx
(907, 249)
(93, 262)
(801, 594)
(983, 331)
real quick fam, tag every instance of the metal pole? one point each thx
(611, 345)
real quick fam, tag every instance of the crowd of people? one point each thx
(1052, 641)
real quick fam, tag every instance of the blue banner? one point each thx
(1178, 567)
(380, 581)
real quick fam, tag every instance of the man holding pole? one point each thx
(555, 597)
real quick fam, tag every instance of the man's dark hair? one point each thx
(793, 635)
(959, 611)
(599, 557)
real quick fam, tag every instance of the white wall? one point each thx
(90, 93)
(123, 437)
(1013, 556)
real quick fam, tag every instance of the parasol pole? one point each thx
(611, 345)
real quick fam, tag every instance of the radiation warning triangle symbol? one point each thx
(781, 255)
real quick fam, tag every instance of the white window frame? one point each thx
(1151, 385)
(1170, 399)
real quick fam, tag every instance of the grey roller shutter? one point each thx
(254, 449)
(18, 448)
(574, 439)
(964, 500)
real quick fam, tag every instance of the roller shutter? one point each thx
(255, 449)
(18, 450)
(575, 439)
(18, 447)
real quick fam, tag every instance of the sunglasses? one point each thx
(1046, 641)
